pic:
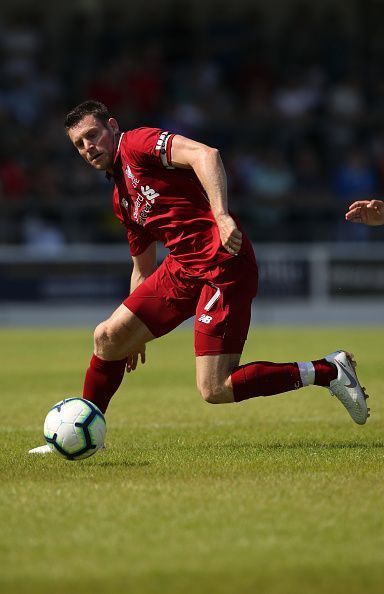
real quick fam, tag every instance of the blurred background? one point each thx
(293, 96)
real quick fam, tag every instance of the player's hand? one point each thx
(231, 237)
(368, 212)
(133, 359)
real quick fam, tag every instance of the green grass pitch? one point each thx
(278, 495)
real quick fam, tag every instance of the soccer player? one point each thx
(369, 212)
(171, 189)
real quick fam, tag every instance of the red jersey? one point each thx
(157, 202)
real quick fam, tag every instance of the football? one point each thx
(75, 428)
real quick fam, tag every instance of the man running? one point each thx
(172, 189)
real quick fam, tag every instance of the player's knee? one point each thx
(212, 393)
(101, 335)
(104, 338)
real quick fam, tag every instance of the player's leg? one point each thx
(213, 373)
(219, 337)
(122, 333)
(220, 380)
(114, 339)
(157, 306)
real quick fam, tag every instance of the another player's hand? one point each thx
(133, 358)
(231, 237)
(369, 212)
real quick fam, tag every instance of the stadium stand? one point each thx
(294, 101)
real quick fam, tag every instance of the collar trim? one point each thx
(116, 156)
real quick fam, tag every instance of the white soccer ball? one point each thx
(75, 428)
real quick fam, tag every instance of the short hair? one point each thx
(90, 107)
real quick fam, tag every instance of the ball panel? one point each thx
(75, 428)
(93, 407)
(97, 430)
(52, 422)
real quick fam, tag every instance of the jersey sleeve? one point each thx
(149, 147)
(138, 239)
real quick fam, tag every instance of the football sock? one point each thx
(325, 372)
(263, 378)
(102, 379)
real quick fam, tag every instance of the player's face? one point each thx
(96, 142)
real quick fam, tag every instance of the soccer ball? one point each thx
(75, 428)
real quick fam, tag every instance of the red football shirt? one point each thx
(157, 202)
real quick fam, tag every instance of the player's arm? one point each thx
(143, 266)
(207, 164)
(368, 212)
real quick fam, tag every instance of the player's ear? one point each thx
(113, 124)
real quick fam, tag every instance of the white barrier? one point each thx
(301, 283)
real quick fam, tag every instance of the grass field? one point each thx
(279, 495)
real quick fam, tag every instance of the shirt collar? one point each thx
(115, 158)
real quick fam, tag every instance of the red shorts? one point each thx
(221, 301)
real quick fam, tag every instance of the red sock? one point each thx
(264, 379)
(102, 379)
(325, 372)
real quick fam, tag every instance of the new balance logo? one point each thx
(205, 319)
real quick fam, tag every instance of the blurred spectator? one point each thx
(346, 99)
(311, 198)
(42, 234)
(378, 157)
(271, 177)
(353, 179)
(270, 183)
(21, 42)
(107, 87)
(309, 174)
(287, 105)
(299, 95)
(14, 181)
